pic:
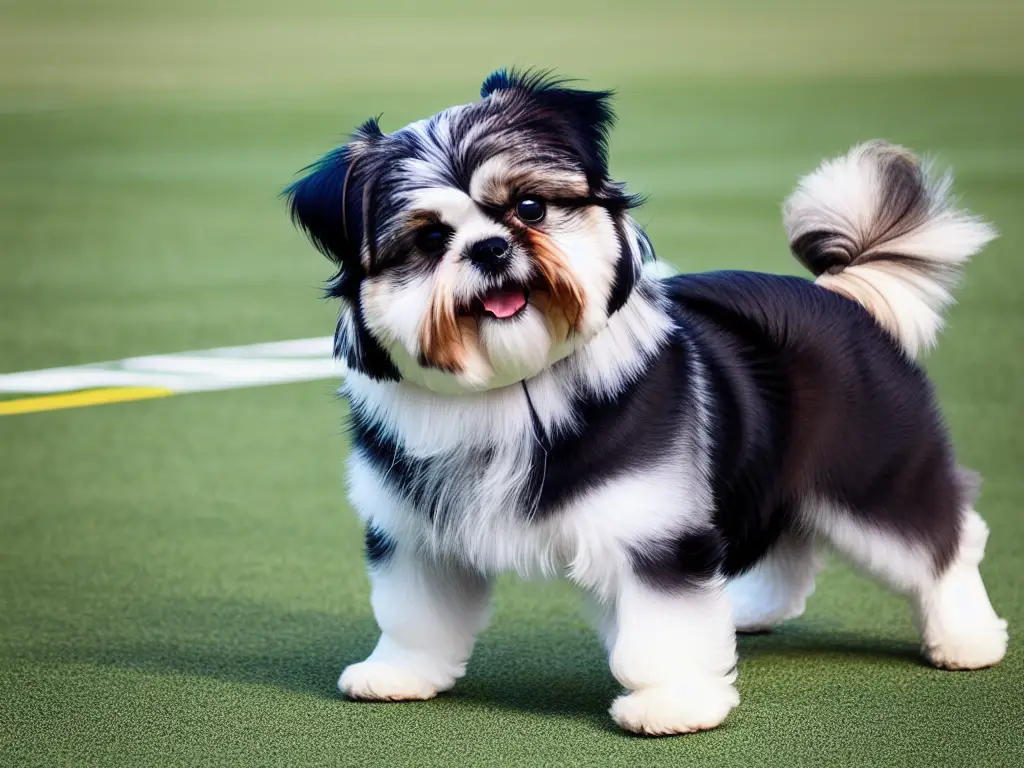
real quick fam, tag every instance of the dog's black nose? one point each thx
(491, 254)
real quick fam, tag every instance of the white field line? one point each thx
(202, 371)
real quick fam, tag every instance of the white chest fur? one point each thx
(466, 473)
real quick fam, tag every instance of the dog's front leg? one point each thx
(674, 649)
(429, 613)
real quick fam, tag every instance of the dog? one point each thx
(530, 393)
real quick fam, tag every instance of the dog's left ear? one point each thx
(588, 114)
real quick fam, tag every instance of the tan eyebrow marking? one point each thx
(420, 218)
(498, 182)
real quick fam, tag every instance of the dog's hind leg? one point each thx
(776, 588)
(959, 628)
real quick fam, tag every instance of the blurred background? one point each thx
(181, 579)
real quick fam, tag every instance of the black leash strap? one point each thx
(540, 437)
(538, 429)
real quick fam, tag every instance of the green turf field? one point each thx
(181, 579)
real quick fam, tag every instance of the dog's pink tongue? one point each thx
(506, 303)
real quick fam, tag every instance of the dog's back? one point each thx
(814, 400)
(826, 428)
(818, 395)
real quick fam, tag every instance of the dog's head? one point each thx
(479, 246)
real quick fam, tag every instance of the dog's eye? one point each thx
(433, 239)
(530, 209)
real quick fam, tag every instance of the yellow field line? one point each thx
(78, 399)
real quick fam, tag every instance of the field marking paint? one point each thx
(78, 399)
(141, 378)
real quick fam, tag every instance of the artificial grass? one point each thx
(181, 579)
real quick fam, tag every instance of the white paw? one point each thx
(759, 606)
(754, 623)
(671, 709)
(377, 681)
(982, 646)
(750, 618)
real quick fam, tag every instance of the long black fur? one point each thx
(810, 399)
(813, 399)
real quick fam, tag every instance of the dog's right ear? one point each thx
(328, 204)
(331, 205)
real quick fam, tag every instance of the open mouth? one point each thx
(503, 303)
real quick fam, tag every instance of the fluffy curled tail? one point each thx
(877, 226)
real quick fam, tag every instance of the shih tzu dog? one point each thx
(529, 392)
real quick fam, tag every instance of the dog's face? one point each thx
(479, 246)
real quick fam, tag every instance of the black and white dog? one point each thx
(530, 393)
